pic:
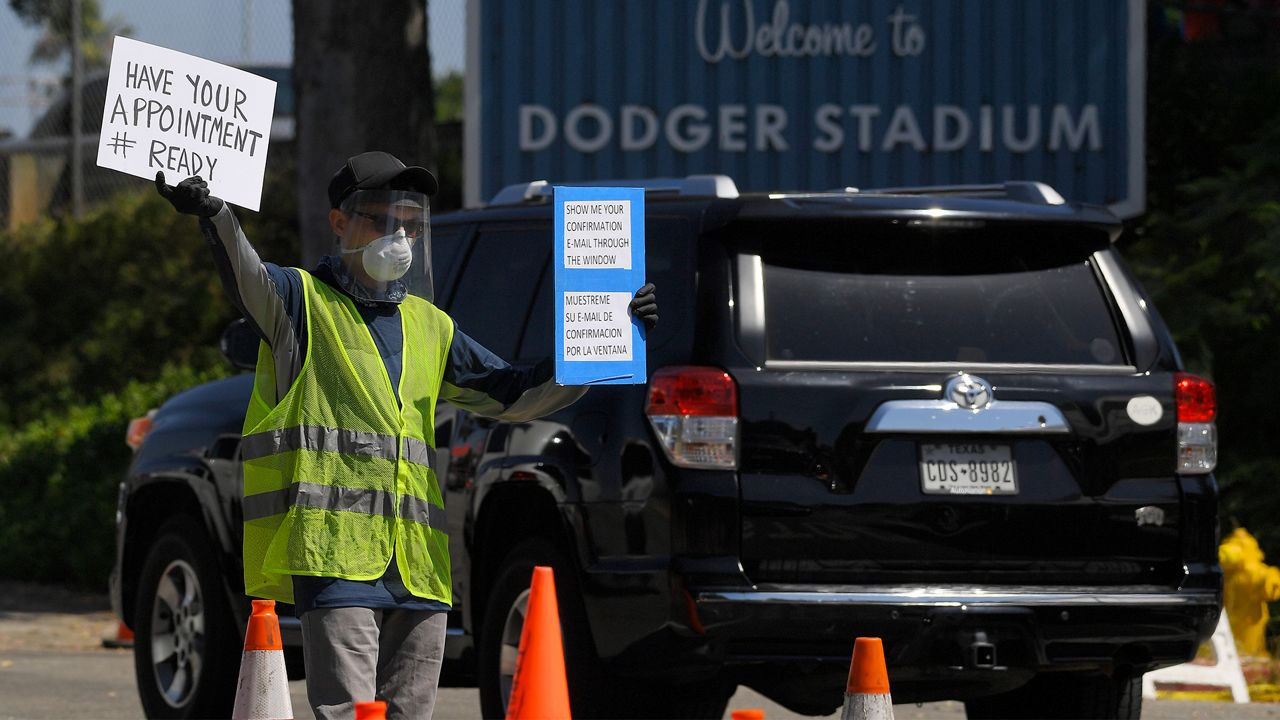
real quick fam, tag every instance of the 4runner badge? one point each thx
(968, 391)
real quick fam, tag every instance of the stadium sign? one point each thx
(782, 94)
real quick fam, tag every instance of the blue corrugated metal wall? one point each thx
(1024, 54)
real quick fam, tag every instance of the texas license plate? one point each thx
(960, 468)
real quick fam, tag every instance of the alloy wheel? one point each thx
(511, 631)
(177, 633)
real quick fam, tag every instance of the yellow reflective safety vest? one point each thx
(337, 474)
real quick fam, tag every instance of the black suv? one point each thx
(947, 417)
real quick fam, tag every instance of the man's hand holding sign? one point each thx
(645, 305)
(190, 197)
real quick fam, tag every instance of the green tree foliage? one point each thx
(86, 307)
(96, 33)
(449, 97)
(449, 109)
(1208, 249)
(59, 474)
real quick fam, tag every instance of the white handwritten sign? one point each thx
(183, 115)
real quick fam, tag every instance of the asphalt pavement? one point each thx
(52, 665)
(38, 684)
(49, 684)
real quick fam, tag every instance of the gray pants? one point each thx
(357, 654)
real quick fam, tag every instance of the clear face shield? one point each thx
(384, 250)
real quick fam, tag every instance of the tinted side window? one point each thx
(670, 246)
(495, 291)
(445, 245)
(538, 342)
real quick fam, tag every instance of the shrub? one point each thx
(88, 306)
(59, 476)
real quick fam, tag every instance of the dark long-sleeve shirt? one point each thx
(476, 380)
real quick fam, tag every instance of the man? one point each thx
(343, 515)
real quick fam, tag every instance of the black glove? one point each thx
(191, 196)
(645, 305)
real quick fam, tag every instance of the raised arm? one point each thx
(268, 295)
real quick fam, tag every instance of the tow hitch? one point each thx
(982, 653)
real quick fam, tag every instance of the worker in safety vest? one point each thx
(343, 512)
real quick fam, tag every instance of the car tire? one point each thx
(1067, 695)
(187, 643)
(499, 633)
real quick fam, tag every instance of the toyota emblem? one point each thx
(968, 391)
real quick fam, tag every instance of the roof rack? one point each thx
(1020, 190)
(719, 186)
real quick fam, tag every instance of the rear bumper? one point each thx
(954, 641)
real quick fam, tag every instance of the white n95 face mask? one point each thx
(387, 258)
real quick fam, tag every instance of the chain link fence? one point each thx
(255, 35)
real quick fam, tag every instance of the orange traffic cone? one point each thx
(376, 710)
(123, 638)
(540, 690)
(262, 693)
(866, 697)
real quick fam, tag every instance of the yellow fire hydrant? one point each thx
(1250, 584)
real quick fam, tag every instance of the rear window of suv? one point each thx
(894, 293)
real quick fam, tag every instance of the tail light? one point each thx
(1197, 435)
(694, 413)
(139, 427)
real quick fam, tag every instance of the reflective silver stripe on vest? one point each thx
(421, 511)
(323, 497)
(264, 505)
(342, 499)
(345, 499)
(418, 452)
(319, 439)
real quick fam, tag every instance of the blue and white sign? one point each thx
(599, 257)
(792, 95)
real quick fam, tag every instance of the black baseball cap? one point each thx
(378, 170)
